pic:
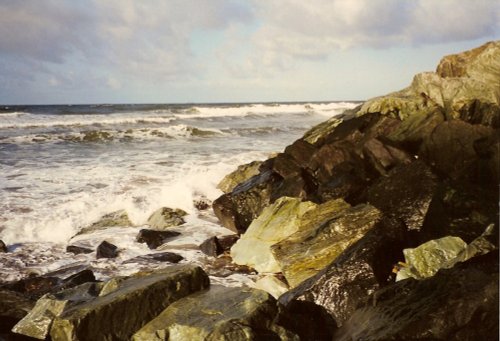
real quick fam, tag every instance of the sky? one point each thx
(206, 51)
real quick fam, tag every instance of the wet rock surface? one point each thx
(154, 238)
(106, 250)
(3, 247)
(113, 219)
(166, 217)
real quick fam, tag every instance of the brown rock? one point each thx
(106, 250)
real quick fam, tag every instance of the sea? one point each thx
(62, 167)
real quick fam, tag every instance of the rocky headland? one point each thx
(381, 224)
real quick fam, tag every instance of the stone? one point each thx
(223, 266)
(170, 257)
(202, 204)
(301, 152)
(38, 321)
(272, 285)
(319, 131)
(236, 210)
(218, 314)
(226, 242)
(154, 238)
(34, 287)
(13, 307)
(78, 278)
(78, 249)
(113, 219)
(306, 252)
(286, 166)
(405, 193)
(361, 269)
(460, 303)
(3, 247)
(136, 301)
(106, 250)
(166, 217)
(211, 247)
(241, 174)
(274, 224)
(442, 150)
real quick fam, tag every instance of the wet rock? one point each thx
(301, 152)
(361, 269)
(154, 238)
(211, 247)
(38, 321)
(202, 204)
(135, 302)
(237, 209)
(218, 314)
(305, 253)
(241, 174)
(456, 304)
(78, 249)
(286, 166)
(215, 246)
(3, 247)
(158, 257)
(406, 193)
(80, 277)
(113, 219)
(454, 159)
(223, 266)
(13, 307)
(319, 131)
(166, 217)
(276, 222)
(34, 287)
(272, 285)
(106, 250)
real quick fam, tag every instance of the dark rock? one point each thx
(285, 166)
(34, 287)
(167, 257)
(223, 266)
(3, 247)
(219, 313)
(237, 209)
(226, 242)
(106, 250)
(154, 238)
(301, 151)
(211, 247)
(450, 147)
(81, 277)
(78, 249)
(308, 320)
(13, 307)
(136, 300)
(406, 193)
(456, 304)
(382, 157)
(357, 272)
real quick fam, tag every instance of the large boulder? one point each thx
(456, 304)
(218, 314)
(276, 222)
(131, 305)
(13, 307)
(241, 174)
(308, 251)
(362, 268)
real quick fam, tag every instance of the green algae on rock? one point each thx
(276, 222)
(124, 310)
(307, 252)
(218, 314)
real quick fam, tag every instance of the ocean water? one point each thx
(63, 167)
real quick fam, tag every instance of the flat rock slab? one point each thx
(219, 313)
(135, 301)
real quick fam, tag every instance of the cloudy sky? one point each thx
(178, 51)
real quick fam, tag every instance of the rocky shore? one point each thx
(381, 224)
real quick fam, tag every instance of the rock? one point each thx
(305, 253)
(158, 257)
(137, 300)
(272, 285)
(237, 209)
(241, 174)
(301, 152)
(361, 269)
(223, 266)
(274, 224)
(442, 150)
(166, 217)
(154, 238)
(80, 277)
(218, 314)
(78, 249)
(202, 204)
(3, 247)
(38, 321)
(318, 132)
(215, 246)
(13, 307)
(117, 218)
(426, 259)
(456, 304)
(106, 250)
(405, 193)
(211, 247)
(34, 287)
